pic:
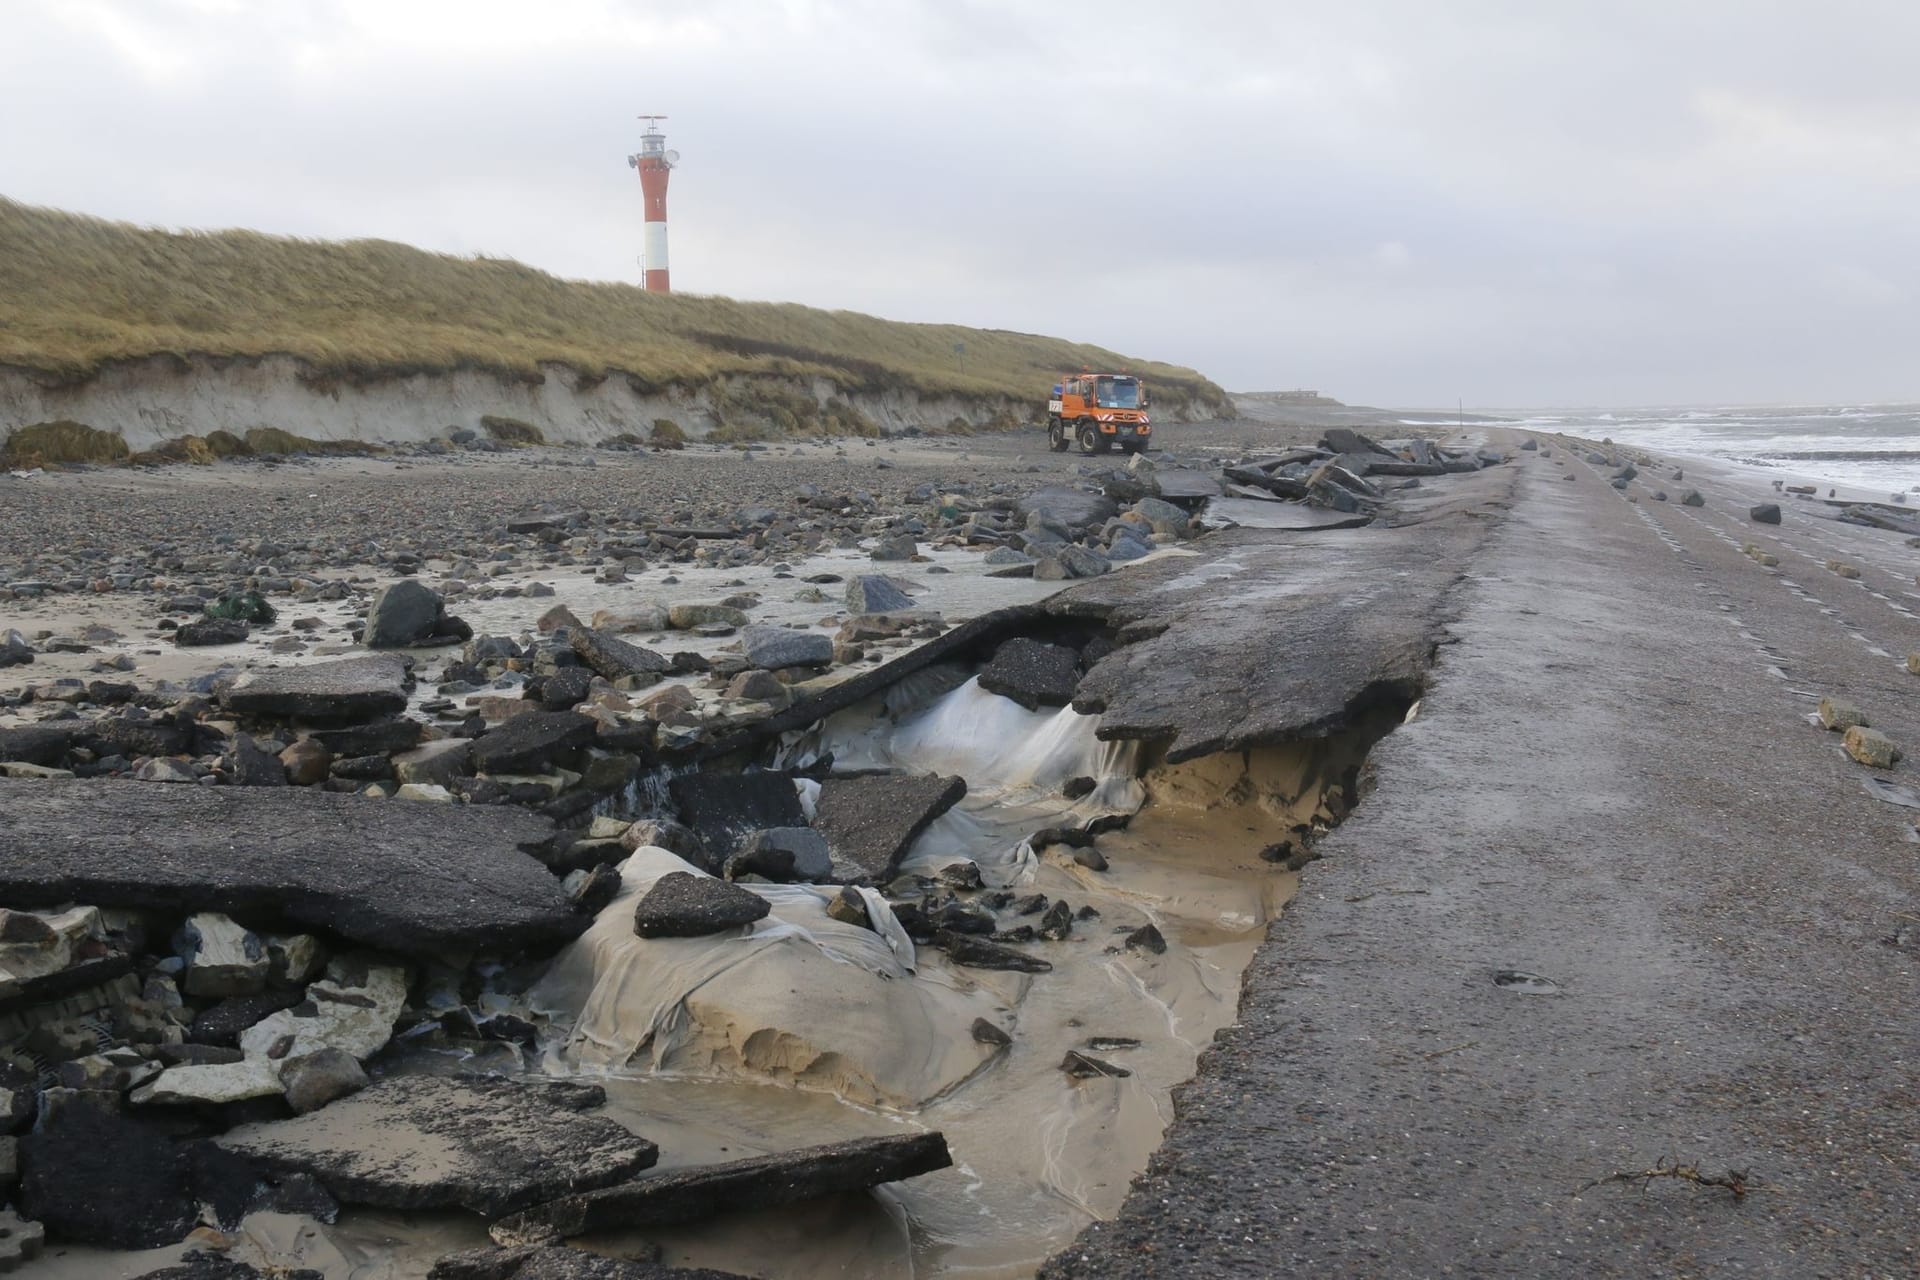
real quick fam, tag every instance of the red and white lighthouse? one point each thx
(654, 163)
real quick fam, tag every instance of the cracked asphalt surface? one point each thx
(1612, 785)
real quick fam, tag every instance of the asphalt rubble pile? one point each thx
(188, 1039)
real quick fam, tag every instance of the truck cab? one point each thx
(1099, 411)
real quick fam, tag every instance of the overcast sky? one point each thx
(1580, 202)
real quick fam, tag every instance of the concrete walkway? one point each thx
(1611, 785)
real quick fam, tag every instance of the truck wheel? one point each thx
(1057, 436)
(1090, 441)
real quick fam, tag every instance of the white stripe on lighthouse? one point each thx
(656, 246)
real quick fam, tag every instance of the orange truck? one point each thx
(1098, 411)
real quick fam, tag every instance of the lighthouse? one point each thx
(654, 163)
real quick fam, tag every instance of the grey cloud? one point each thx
(1401, 202)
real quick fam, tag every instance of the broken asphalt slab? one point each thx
(870, 822)
(762, 1182)
(348, 691)
(487, 1145)
(389, 873)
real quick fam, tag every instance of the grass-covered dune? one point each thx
(80, 295)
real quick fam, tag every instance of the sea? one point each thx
(1871, 447)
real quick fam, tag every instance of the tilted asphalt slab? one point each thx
(1614, 904)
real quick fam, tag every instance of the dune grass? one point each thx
(77, 293)
(51, 444)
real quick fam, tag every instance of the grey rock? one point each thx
(684, 905)
(348, 691)
(529, 743)
(784, 854)
(1765, 513)
(437, 763)
(210, 631)
(487, 1145)
(759, 1183)
(1073, 509)
(403, 613)
(566, 688)
(222, 958)
(311, 1082)
(1071, 560)
(249, 766)
(1693, 498)
(88, 1173)
(614, 658)
(409, 877)
(870, 822)
(777, 648)
(871, 593)
(1032, 673)
(14, 649)
(1006, 556)
(898, 546)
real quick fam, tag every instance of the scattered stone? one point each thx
(848, 907)
(404, 614)
(352, 1009)
(980, 953)
(14, 649)
(222, 958)
(870, 822)
(349, 691)
(530, 743)
(1765, 513)
(682, 904)
(324, 1076)
(783, 854)
(777, 648)
(1147, 938)
(1082, 1066)
(1032, 673)
(1840, 715)
(1913, 664)
(759, 686)
(687, 617)
(759, 1183)
(210, 631)
(1692, 498)
(662, 833)
(1090, 858)
(900, 546)
(614, 658)
(1078, 788)
(871, 593)
(985, 1032)
(1871, 747)
(1844, 569)
(21, 1239)
(487, 1145)
(595, 889)
(211, 1084)
(439, 763)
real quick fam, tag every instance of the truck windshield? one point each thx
(1116, 393)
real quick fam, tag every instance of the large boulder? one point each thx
(404, 613)
(486, 1145)
(346, 691)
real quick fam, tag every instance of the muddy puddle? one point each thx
(803, 1028)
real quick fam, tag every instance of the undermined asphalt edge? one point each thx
(1210, 1062)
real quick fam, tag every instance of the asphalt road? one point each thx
(1611, 785)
